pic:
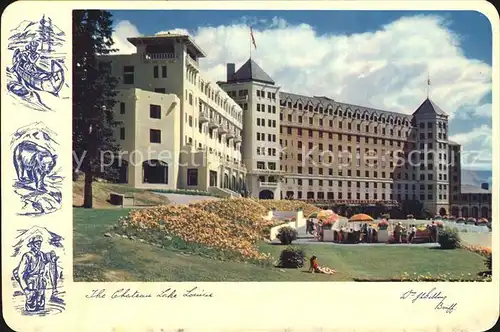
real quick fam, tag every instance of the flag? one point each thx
(428, 81)
(253, 39)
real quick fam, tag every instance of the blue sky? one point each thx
(473, 27)
(374, 58)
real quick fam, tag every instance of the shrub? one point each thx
(448, 238)
(287, 234)
(487, 262)
(386, 216)
(292, 258)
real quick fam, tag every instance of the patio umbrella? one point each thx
(483, 220)
(332, 218)
(471, 219)
(360, 217)
(324, 213)
(313, 215)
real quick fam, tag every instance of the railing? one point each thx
(240, 98)
(222, 128)
(268, 184)
(204, 117)
(191, 62)
(236, 165)
(212, 124)
(158, 56)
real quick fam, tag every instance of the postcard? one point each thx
(250, 165)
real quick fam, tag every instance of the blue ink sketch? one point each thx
(38, 279)
(37, 180)
(37, 74)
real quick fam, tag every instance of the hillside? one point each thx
(101, 191)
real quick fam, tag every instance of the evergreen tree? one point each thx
(49, 35)
(42, 32)
(93, 95)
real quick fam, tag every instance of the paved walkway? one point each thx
(304, 238)
(314, 241)
(476, 239)
(186, 199)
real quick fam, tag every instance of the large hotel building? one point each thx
(182, 131)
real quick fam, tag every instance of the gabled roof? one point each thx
(429, 107)
(293, 98)
(250, 71)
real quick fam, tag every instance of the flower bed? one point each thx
(429, 277)
(483, 251)
(383, 225)
(194, 225)
(241, 210)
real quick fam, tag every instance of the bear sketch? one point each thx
(33, 162)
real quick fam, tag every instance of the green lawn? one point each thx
(100, 258)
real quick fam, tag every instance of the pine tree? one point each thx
(93, 94)
(42, 32)
(49, 34)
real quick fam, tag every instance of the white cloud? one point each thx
(476, 147)
(124, 30)
(483, 110)
(384, 69)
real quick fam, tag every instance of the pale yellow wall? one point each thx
(184, 80)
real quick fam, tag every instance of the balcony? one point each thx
(191, 63)
(268, 184)
(204, 118)
(158, 56)
(240, 98)
(237, 139)
(230, 134)
(212, 124)
(223, 128)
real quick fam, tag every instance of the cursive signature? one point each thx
(127, 293)
(431, 295)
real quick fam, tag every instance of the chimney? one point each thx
(230, 71)
(485, 186)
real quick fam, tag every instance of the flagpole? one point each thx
(428, 83)
(250, 42)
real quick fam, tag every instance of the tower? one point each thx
(255, 91)
(431, 124)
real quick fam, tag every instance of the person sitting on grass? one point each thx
(315, 268)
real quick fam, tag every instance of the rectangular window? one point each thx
(122, 133)
(128, 74)
(155, 111)
(154, 136)
(163, 71)
(155, 71)
(192, 177)
(122, 108)
(160, 90)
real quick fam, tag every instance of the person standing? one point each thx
(31, 274)
(413, 231)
